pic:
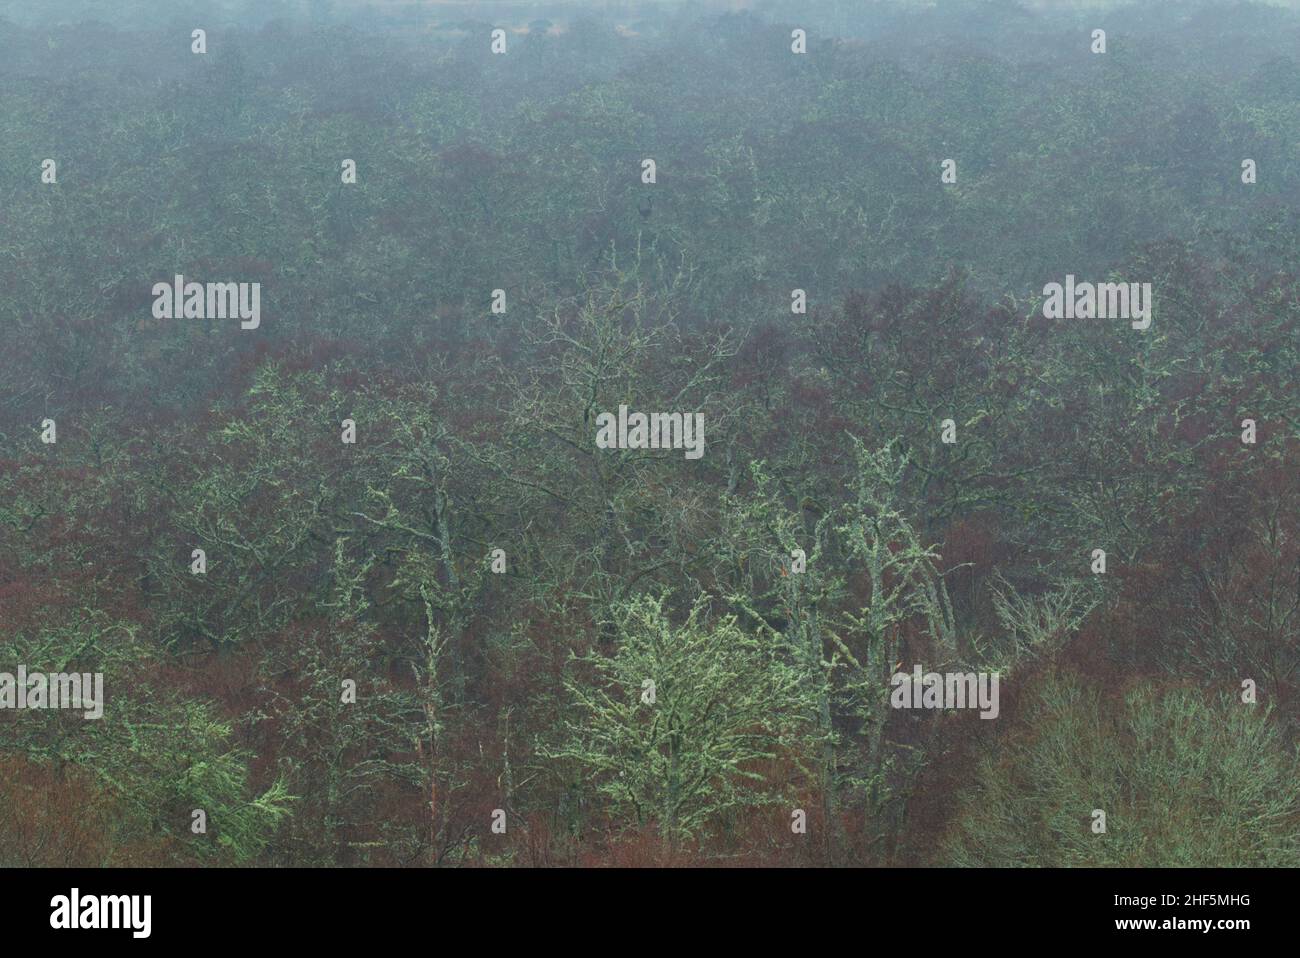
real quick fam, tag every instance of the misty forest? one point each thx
(967, 334)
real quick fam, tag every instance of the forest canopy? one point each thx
(365, 589)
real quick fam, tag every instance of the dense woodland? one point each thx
(517, 696)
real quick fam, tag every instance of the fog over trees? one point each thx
(763, 433)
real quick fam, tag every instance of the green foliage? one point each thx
(1185, 780)
(726, 701)
(159, 754)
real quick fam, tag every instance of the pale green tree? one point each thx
(673, 725)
